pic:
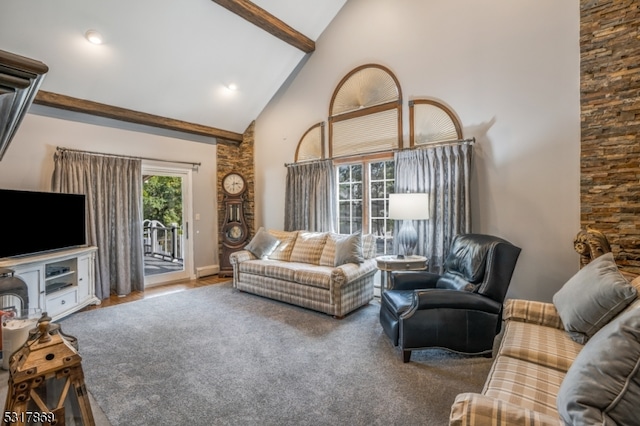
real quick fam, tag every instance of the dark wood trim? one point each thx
(366, 111)
(83, 106)
(31, 67)
(364, 158)
(269, 23)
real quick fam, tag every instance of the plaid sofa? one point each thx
(302, 271)
(532, 360)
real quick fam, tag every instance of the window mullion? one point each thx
(366, 198)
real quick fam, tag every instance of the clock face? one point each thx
(233, 183)
(235, 233)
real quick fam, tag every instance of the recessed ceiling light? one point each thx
(232, 86)
(93, 36)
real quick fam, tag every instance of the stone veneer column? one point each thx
(610, 124)
(238, 158)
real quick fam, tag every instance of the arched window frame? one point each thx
(395, 104)
(452, 125)
(372, 198)
(306, 137)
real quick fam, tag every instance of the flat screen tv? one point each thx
(34, 222)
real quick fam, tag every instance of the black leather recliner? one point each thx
(460, 310)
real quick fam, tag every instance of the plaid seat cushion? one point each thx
(473, 409)
(524, 384)
(303, 273)
(253, 266)
(547, 346)
(316, 276)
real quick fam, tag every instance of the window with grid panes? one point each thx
(381, 183)
(363, 200)
(350, 198)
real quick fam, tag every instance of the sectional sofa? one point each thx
(575, 361)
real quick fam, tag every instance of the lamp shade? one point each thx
(410, 206)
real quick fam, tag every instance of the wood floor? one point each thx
(160, 290)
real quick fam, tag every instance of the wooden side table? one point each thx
(390, 263)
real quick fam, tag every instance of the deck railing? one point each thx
(162, 241)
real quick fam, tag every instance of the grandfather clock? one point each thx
(234, 231)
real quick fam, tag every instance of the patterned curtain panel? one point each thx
(310, 197)
(113, 187)
(444, 173)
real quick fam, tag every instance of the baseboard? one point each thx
(205, 271)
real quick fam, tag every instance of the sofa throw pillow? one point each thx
(369, 249)
(328, 257)
(284, 249)
(262, 244)
(308, 247)
(602, 385)
(329, 253)
(349, 249)
(593, 296)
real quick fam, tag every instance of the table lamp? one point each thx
(408, 207)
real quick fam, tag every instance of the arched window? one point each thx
(311, 145)
(432, 122)
(365, 114)
(365, 127)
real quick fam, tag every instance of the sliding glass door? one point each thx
(166, 220)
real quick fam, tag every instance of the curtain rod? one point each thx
(470, 141)
(194, 165)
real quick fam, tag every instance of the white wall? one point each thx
(510, 70)
(28, 165)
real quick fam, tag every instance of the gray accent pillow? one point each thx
(349, 249)
(262, 244)
(593, 296)
(602, 386)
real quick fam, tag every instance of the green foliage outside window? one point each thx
(162, 199)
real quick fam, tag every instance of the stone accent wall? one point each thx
(610, 124)
(238, 158)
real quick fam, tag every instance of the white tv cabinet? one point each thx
(60, 282)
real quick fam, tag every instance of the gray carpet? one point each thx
(214, 356)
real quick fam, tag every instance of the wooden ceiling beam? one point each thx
(83, 106)
(274, 26)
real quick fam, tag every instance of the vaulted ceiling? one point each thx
(166, 63)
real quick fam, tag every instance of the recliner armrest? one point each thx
(413, 280)
(453, 299)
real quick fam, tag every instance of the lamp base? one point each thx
(407, 239)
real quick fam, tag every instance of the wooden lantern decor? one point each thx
(46, 382)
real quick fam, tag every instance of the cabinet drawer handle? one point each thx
(63, 302)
